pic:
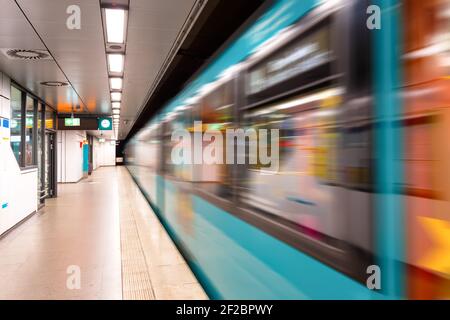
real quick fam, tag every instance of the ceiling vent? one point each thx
(116, 47)
(26, 54)
(55, 83)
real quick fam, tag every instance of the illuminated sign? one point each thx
(29, 123)
(49, 123)
(72, 122)
(305, 54)
(14, 124)
(104, 124)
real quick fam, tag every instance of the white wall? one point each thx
(104, 154)
(70, 155)
(5, 94)
(18, 189)
(95, 156)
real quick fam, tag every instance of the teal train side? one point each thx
(241, 233)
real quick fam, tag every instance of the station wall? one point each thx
(70, 155)
(18, 188)
(106, 154)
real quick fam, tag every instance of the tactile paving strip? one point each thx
(136, 283)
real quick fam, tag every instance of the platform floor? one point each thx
(104, 228)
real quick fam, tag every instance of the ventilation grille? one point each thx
(26, 54)
(55, 83)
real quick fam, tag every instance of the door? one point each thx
(50, 165)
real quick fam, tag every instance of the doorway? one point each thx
(50, 165)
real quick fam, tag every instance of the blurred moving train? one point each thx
(364, 166)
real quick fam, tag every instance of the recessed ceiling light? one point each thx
(116, 111)
(115, 25)
(115, 105)
(26, 54)
(116, 96)
(115, 62)
(116, 83)
(116, 116)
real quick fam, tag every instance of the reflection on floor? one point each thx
(98, 240)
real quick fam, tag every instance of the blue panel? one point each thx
(235, 260)
(389, 211)
(85, 158)
(6, 123)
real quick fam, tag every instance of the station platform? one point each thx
(103, 231)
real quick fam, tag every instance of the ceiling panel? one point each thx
(152, 29)
(80, 53)
(16, 32)
(153, 26)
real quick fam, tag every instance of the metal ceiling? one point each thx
(79, 55)
(167, 42)
(16, 32)
(153, 28)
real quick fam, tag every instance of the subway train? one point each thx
(358, 206)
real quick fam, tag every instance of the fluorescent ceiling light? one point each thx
(116, 96)
(116, 111)
(116, 116)
(115, 25)
(115, 62)
(115, 105)
(116, 83)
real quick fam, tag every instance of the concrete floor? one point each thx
(103, 227)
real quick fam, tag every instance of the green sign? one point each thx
(104, 124)
(29, 123)
(72, 122)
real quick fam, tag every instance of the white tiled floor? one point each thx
(82, 227)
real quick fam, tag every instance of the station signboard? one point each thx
(72, 122)
(104, 124)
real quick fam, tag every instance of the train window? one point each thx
(420, 157)
(425, 153)
(303, 61)
(357, 160)
(302, 190)
(216, 114)
(309, 191)
(180, 120)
